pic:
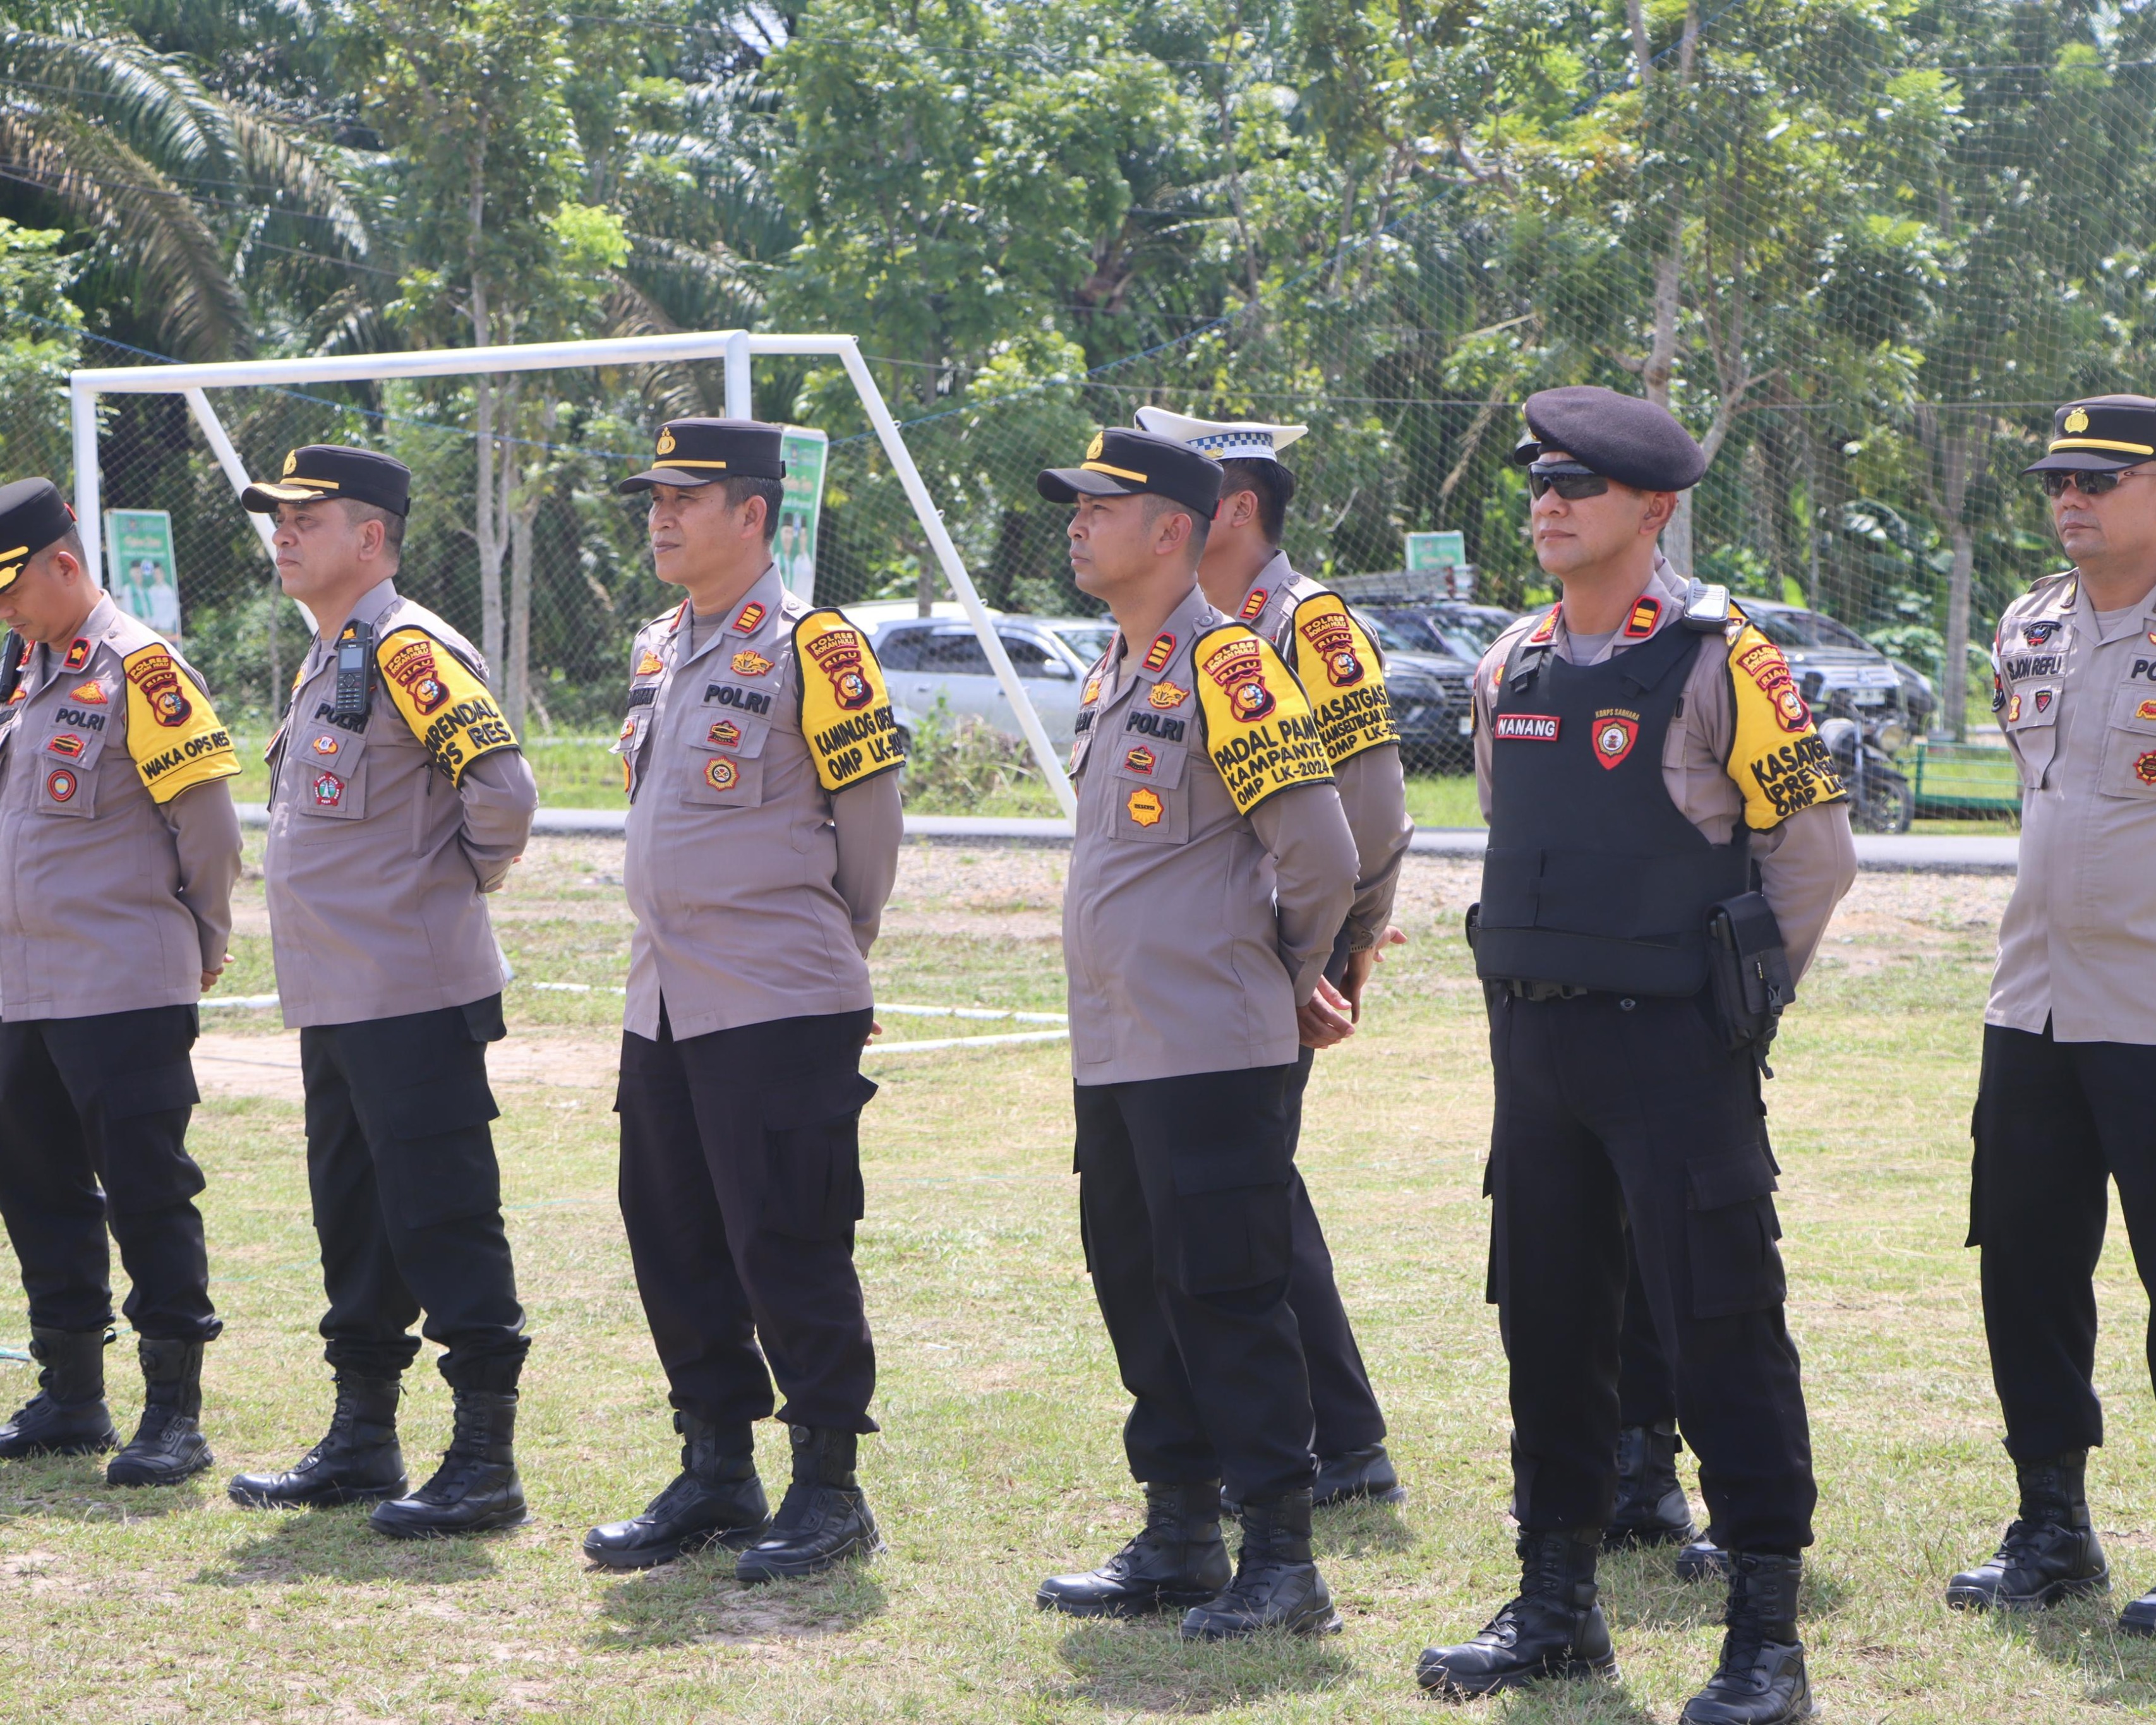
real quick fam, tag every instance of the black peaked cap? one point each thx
(2100, 433)
(1625, 438)
(1121, 463)
(317, 471)
(701, 452)
(32, 515)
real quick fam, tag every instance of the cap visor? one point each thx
(2085, 461)
(1062, 484)
(264, 498)
(666, 476)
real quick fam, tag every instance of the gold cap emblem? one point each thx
(2076, 421)
(665, 439)
(1093, 448)
(292, 463)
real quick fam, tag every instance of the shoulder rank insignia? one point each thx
(173, 738)
(746, 620)
(78, 655)
(1158, 653)
(1253, 605)
(1547, 628)
(1641, 623)
(846, 718)
(442, 699)
(1343, 677)
(1259, 733)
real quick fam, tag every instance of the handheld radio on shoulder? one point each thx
(355, 671)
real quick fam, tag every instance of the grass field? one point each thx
(1000, 1458)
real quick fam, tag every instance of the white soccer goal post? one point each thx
(736, 348)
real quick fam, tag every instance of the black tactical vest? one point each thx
(1594, 878)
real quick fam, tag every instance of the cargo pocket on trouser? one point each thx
(1232, 1233)
(436, 1163)
(813, 1177)
(1732, 1229)
(142, 1119)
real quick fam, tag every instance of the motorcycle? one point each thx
(1863, 742)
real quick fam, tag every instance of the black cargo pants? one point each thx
(1626, 1113)
(1184, 1207)
(93, 1118)
(1342, 1405)
(741, 1183)
(407, 1195)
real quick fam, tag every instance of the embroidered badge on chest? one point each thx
(722, 774)
(1140, 759)
(1166, 695)
(648, 665)
(725, 734)
(749, 663)
(1524, 727)
(2036, 633)
(2144, 769)
(89, 694)
(1146, 808)
(1615, 734)
(328, 790)
(59, 784)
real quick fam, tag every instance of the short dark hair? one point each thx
(392, 524)
(1263, 478)
(741, 487)
(1157, 505)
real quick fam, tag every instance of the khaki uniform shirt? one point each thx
(1736, 750)
(118, 845)
(1213, 865)
(384, 833)
(2077, 702)
(763, 817)
(1343, 672)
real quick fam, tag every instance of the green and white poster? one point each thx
(1442, 557)
(141, 573)
(805, 453)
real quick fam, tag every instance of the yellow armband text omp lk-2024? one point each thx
(1260, 732)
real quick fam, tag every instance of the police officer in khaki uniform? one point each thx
(1245, 575)
(1212, 870)
(1646, 760)
(760, 754)
(2069, 1035)
(119, 847)
(398, 797)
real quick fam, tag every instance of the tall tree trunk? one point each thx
(1955, 692)
(1950, 444)
(524, 510)
(486, 526)
(1668, 270)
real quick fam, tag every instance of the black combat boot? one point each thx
(1761, 1679)
(1651, 1507)
(2139, 1618)
(1367, 1472)
(168, 1446)
(68, 1415)
(358, 1458)
(1703, 1560)
(717, 1498)
(1277, 1585)
(1175, 1561)
(2050, 1552)
(1554, 1629)
(476, 1487)
(823, 1519)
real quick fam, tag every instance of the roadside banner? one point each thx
(143, 574)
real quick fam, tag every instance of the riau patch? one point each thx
(1525, 727)
(725, 734)
(749, 663)
(60, 784)
(78, 655)
(89, 694)
(173, 737)
(722, 774)
(1146, 807)
(1762, 662)
(1344, 678)
(1165, 696)
(1615, 734)
(328, 790)
(1157, 655)
(845, 707)
(648, 665)
(2145, 769)
(1253, 605)
(746, 620)
(442, 699)
(1140, 759)
(1641, 623)
(1776, 759)
(1260, 734)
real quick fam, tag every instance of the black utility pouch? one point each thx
(1749, 973)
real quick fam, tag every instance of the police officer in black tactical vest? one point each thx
(1664, 821)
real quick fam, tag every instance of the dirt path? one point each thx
(227, 1064)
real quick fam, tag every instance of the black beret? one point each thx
(1121, 463)
(701, 452)
(2100, 433)
(32, 515)
(1625, 438)
(317, 471)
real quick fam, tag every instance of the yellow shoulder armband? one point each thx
(845, 709)
(172, 736)
(1776, 758)
(1259, 731)
(449, 709)
(1344, 678)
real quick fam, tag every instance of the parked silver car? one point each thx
(926, 657)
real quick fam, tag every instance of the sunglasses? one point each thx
(2089, 485)
(1571, 486)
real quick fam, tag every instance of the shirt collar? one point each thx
(1668, 590)
(767, 591)
(369, 609)
(1278, 573)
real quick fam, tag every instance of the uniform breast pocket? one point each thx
(65, 763)
(2129, 767)
(2031, 724)
(1152, 802)
(329, 773)
(726, 760)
